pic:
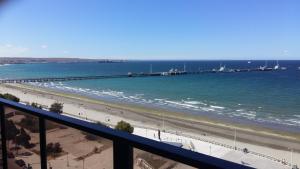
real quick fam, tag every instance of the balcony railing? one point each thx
(127, 150)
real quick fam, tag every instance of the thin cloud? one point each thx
(44, 46)
(8, 45)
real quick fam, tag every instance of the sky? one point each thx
(151, 29)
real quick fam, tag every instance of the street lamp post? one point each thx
(234, 138)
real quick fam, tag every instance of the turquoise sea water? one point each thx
(266, 98)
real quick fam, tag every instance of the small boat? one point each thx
(129, 74)
(174, 72)
(222, 68)
(262, 68)
(249, 62)
(164, 73)
(277, 67)
(299, 68)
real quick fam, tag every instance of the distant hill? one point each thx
(12, 60)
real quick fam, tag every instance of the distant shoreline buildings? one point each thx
(17, 60)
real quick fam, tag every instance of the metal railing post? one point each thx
(122, 155)
(43, 153)
(3, 137)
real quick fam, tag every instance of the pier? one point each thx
(172, 72)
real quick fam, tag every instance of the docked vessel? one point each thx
(222, 68)
(277, 66)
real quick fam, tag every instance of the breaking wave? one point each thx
(184, 104)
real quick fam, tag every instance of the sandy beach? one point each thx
(208, 136)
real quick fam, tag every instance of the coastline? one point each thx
(250, 136)
(158, 113)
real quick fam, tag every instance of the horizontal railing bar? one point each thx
(168, 151)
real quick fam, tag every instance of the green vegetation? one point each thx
(23, 139)
(32, 124)
(19, 136)
(9, 97)
(124, 126)
(56, 108)
(53, 149)
(11, 130)
(36, 105)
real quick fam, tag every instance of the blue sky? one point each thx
(151, 29)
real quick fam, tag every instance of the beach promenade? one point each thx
(259, 156)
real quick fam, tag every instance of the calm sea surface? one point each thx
(266, 98)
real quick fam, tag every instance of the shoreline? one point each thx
(211, 111)
(257, 138)
(188, 114)
(157, 113)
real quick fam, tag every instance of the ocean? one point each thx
(270, 99)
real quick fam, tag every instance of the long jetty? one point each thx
(170, 73)
(72, 78)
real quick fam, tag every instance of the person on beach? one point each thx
(158, 134)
